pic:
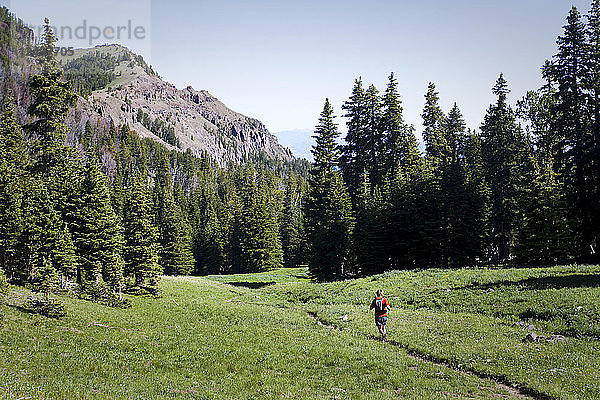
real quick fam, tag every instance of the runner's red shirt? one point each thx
(384, 303)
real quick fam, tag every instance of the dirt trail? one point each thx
(502, 383)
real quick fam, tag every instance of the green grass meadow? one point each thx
(452, 336)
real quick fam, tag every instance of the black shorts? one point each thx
(380, 321)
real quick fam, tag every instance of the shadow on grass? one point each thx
(547, 282)
(251, 285)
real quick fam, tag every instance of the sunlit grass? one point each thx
(207, 340)
(467, 317)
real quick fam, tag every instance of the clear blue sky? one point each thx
(278, 60)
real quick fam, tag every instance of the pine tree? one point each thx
(457, 195)
(51, 101)
(507, 167)
(433, 122)
(436, 202)
(210, 230)
(329, 219)
(176, 255)
(45, 246)
(97, 233)
(545, 235)
(140, 252)
(372, 145)
(259, 241)
(352, 156)
(63, 256)
(568, 73)
(478, 203)
(401, 149)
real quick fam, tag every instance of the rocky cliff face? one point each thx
(201, 122)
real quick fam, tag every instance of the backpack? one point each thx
(379, 304)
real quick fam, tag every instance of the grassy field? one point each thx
(453, 334)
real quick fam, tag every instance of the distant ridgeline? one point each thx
(109, 201)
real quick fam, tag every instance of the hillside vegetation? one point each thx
(267, 336)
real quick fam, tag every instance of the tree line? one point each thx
(523, 189)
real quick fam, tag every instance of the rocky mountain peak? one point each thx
(186, 119)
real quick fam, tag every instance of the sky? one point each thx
(278, 60)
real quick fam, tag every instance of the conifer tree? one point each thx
(176, 255)
(51, 101)
(507, 165)
(568, 74)
(373, 144)
(436, 203)
(259, 241)
(457, 195)
(433, 122)
(97, 233)
(46, 250)
(140, 252)
(62, 250)
(544, 236)
(478, 203)
(210, 231)
(401, 149)
(352, 157)
(329, 219)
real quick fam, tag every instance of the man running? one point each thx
(381, 306)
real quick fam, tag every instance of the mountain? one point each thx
(117, 85)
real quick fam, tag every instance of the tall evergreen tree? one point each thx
(433, 122)
(45, 247)
(568, 72)
(329, 219)
(544, 236)
(141, 248)
(507, 165)
(210, 229)
(352, 157)
(97, 233)
(373, 143)
(51, 101)
(370, 244)
(401, 148)
(477, 214)
(259, 241)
